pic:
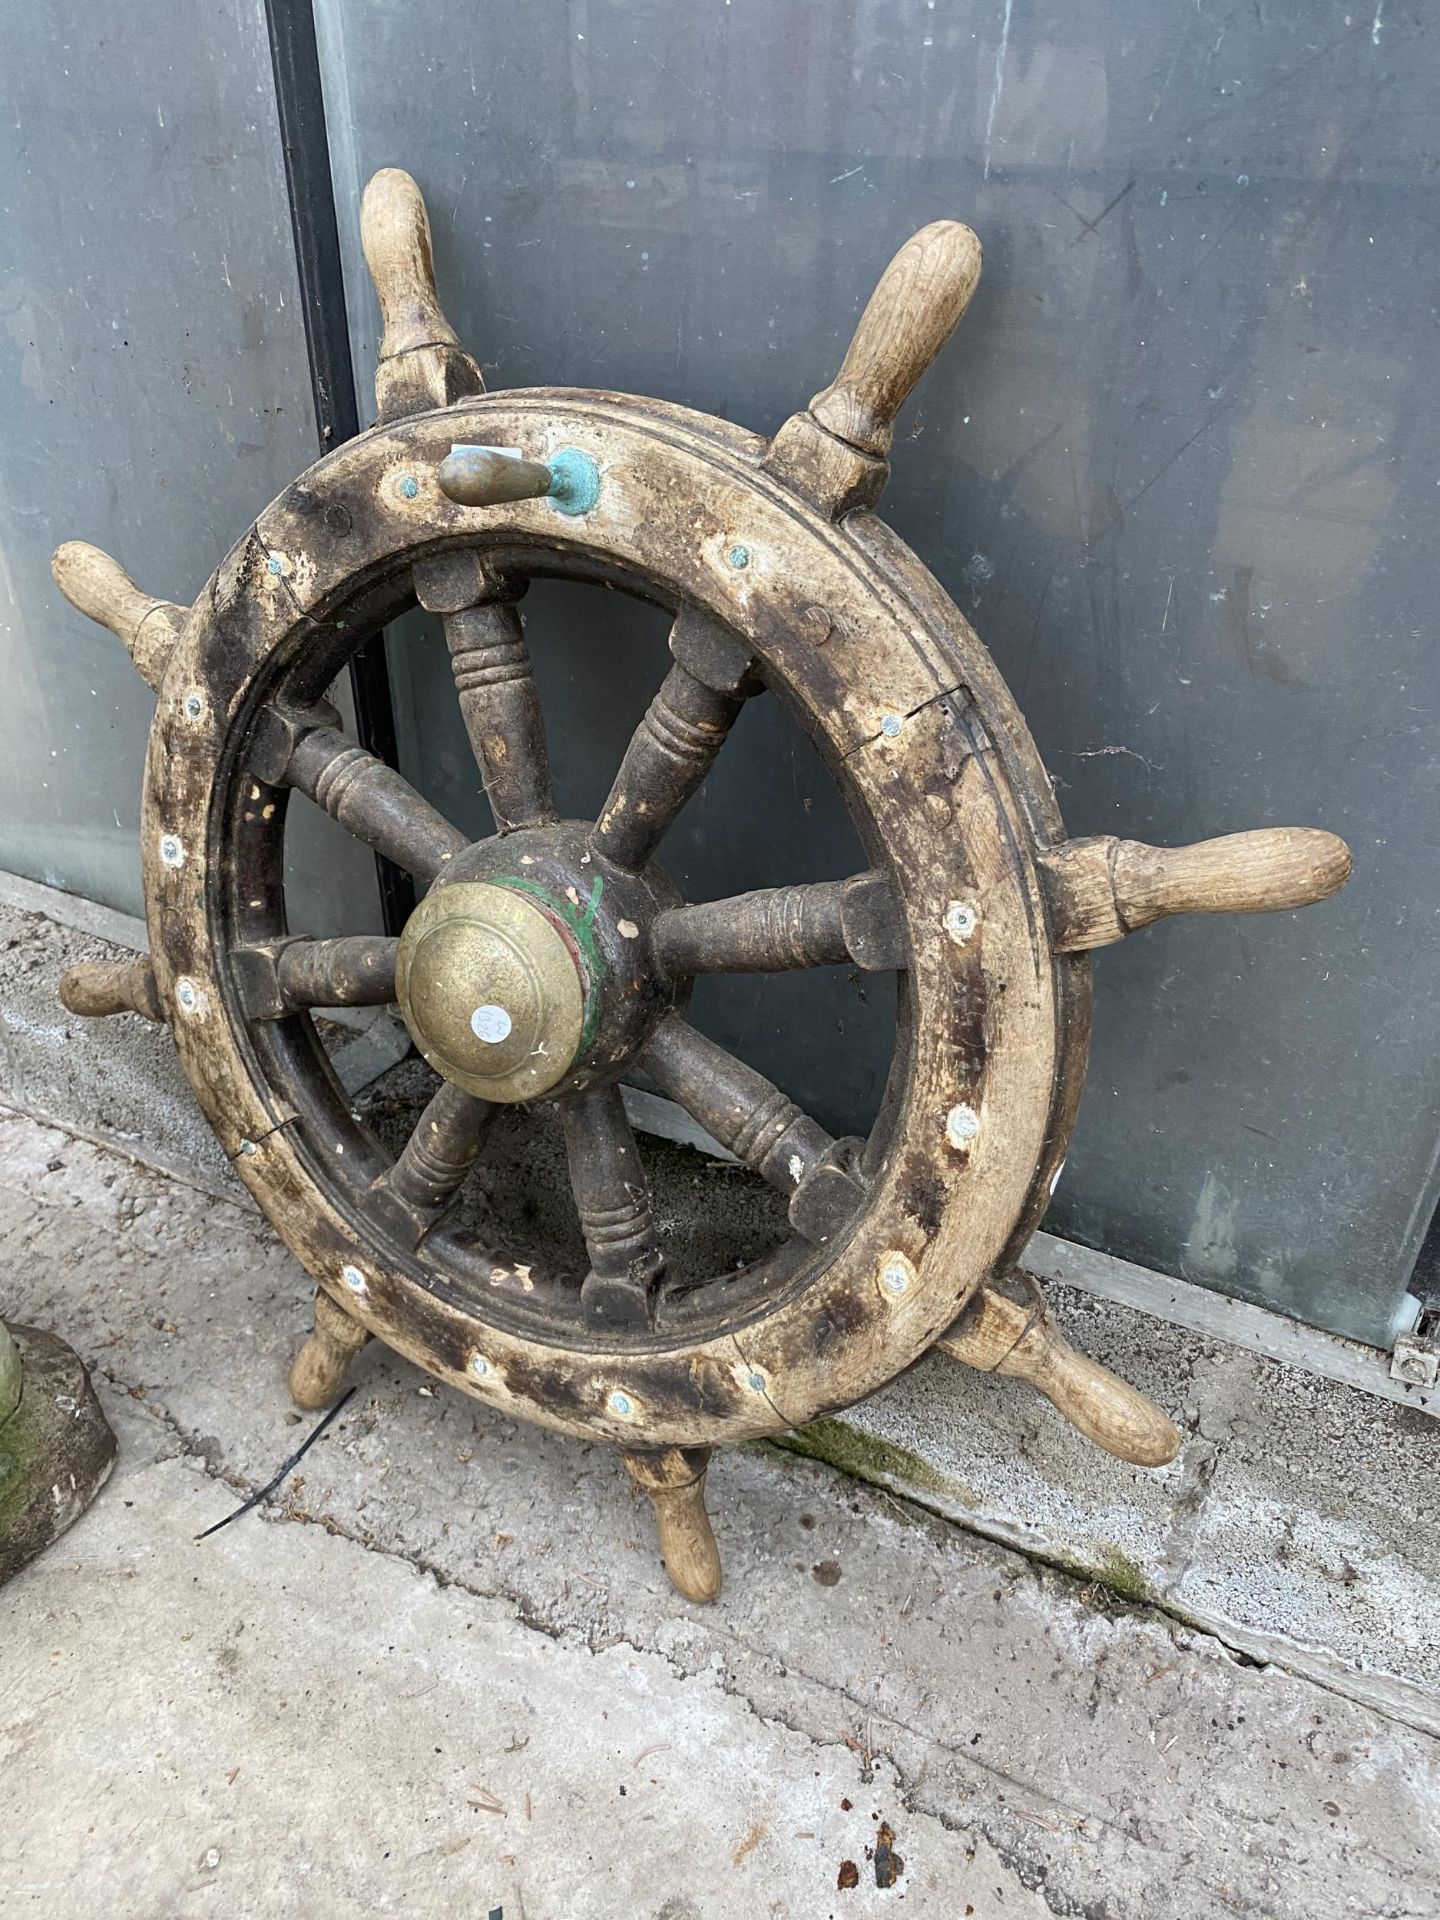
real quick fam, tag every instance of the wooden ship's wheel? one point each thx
(551, 959)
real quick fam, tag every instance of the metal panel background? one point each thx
(153, 397)
(1178, 467)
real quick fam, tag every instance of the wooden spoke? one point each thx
(448, 1139)
(779, 928)
(673, 747)
(498, 697)
(370, 800)
(760, 1126)
(501, 709)
(740, 1107)
(670, 754)
(608, 1182)
(356, 971)
(765, 932)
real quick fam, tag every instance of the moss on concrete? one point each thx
(10, 1374)
(55, 1450)
(882, 1463)
(1122, 1576)
(864, 1457)
(19, 1455)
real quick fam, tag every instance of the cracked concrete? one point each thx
(423, 1673)
(119, 1080)
(1294, 1524)
(325, 1731)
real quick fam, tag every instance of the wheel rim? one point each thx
(855, 636)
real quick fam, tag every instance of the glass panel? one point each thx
(153, 397)
(1177, 467)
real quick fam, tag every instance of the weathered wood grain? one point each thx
(898, 695)
(96, 988)
(421, 363)
(372, 801)
(100, 588)
(675, 1482)
(836, 451)
(1103, 888)
(318, 1371)
(748, 1115)
(671, 752)
(448, 1140)
(778, 580)
(779, 928)
(613, 1201)
(998, 1333)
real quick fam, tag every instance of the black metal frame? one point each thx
(304, 140)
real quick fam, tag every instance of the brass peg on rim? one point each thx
(100, 588)
(421, 363)
(489, 476)
(837, 451)
(477, 476)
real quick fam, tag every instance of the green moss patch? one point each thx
(882, 1463)
(865, 1458)
(1122, 1576)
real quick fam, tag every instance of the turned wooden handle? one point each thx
(1101, 889)
(100, 588)
(1001, 1335)
(908, 318)
(421, 363)
(395, 233)
(97, 988)
(675, 1481)
(319, 1368)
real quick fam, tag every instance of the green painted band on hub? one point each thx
(578, 923)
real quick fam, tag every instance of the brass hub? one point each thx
(492, 990)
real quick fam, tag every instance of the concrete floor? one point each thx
(441, 1670)
(1293, 1526)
